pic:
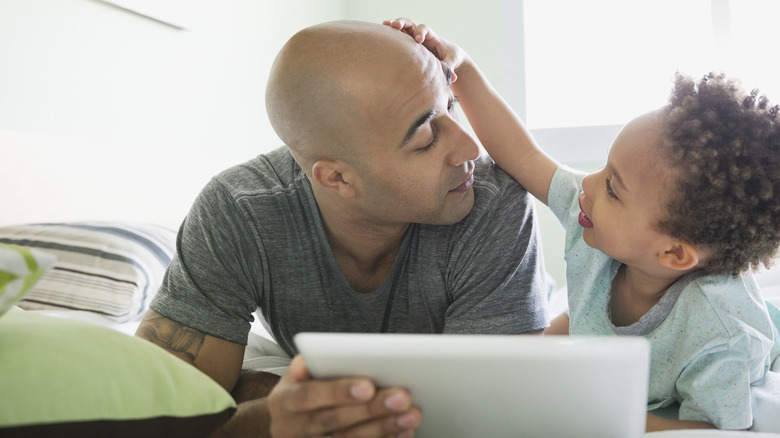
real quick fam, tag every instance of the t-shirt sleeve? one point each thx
(564, 189)
(497, 274)
(207, 286)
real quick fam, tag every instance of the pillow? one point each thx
(60, 377)
(110, 268)
(20, 268)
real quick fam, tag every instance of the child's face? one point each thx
(622, 202)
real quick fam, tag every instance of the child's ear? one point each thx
(680, 256)
(334, 175)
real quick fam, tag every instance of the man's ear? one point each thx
(680, 256)
(334, 175)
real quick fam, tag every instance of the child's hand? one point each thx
(449, 53)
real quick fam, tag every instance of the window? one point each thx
(592, 66)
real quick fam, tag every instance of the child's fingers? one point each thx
(392, 23)
(421, 33)
(427, 37)
(401, 23)
(409, 26)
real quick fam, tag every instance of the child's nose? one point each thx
(587, 184)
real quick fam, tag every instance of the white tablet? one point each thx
(498, 385)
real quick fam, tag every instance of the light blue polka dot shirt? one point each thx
(711, 336)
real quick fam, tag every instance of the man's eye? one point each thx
(430, 145)
(452, 103)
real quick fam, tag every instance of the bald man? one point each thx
(378, 215)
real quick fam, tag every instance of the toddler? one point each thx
(661, 241)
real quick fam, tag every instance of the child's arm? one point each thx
(499, 129)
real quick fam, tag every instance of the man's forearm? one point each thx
(252, 385)
(251, 418)
(656, 423)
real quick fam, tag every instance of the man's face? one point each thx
(418, 160)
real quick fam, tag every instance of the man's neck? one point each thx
(364, 251)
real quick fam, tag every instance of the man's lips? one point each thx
(465, 185)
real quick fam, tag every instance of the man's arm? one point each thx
(252, 385)
(218, 358)
(298, 406)
(558, 326)
(656, 423)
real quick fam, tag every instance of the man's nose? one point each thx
(463, 146)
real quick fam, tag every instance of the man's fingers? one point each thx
(319, 394)
(401, 425)
(340, 407)
(389, 413)
(298, 370)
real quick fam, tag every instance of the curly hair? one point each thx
(724, 146)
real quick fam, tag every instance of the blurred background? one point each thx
(122, 110)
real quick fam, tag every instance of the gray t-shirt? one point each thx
(254, 240)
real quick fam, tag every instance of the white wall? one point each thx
(108, 115)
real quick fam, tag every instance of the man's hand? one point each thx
(449, 53)
(301, 407)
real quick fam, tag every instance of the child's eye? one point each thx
(610, 192)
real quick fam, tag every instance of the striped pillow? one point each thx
(20, 269)
(110, 268)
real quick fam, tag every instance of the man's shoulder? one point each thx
(487, 174)
(273, 170)
(494, 188)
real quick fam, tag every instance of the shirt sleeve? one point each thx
(207, 271)
(564, 190)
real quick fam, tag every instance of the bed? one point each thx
(71, 296)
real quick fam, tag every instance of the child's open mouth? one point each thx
(584, 221)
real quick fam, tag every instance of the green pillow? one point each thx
(20, 269)
(71, 378)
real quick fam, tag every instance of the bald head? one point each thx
(325, 80)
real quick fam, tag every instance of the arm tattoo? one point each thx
(176, 338)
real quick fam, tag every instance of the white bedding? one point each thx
(263, 354)
(708, 434)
